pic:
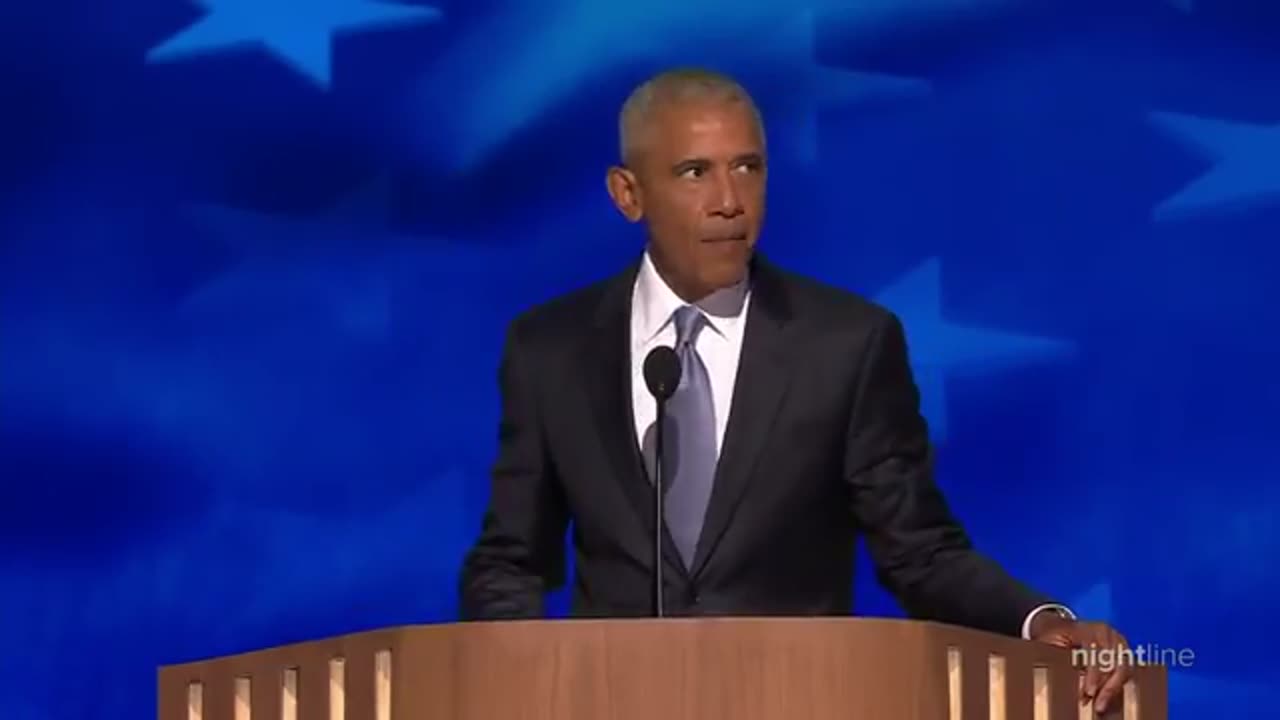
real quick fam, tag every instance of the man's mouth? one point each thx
(730, 237)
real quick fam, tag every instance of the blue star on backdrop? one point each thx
(1094, 603)
(347, 294)
(298, 33)
(315, 265)
(1245, 157)
(549, 52)
(939, 347)
(813, 86)
(351, 270)
(319, 298)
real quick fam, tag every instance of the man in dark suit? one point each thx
(795, 428)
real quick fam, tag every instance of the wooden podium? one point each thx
(646, 669)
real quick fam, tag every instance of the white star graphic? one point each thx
(939, 348)
(299, 33)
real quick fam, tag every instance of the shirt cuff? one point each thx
(1026, 624)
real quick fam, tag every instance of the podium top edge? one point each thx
(484, 626)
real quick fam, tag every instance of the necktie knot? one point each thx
(689, 320)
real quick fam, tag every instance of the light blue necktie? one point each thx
(689, 454)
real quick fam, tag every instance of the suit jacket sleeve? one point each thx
(921, 552)
(519, 554)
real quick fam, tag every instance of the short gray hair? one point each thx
(674, 86)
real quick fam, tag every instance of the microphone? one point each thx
(662, 376)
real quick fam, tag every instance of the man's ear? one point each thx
(625, 191)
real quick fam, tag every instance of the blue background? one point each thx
(256, 258)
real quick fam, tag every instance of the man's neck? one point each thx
(686, 291)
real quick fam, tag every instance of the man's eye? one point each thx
(692, 172)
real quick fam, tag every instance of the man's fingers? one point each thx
(1120, 674)
(1113, 686)
(1092, 679)
(1102, 685)
(1107, 665)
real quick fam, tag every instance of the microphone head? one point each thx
(662, 372)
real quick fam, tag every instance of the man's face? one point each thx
(700, 186)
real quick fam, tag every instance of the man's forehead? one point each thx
(694, 122)
(699, 112)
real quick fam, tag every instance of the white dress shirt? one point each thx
(653, 305)
(719, 343)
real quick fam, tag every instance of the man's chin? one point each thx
(725, 274)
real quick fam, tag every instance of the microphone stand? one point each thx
(659, 516)
(662, 376)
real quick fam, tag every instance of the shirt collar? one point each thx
(654, 302)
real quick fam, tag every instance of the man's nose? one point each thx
(727, 200)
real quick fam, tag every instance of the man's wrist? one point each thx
(1046, 613)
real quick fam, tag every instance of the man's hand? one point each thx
(1102, 684)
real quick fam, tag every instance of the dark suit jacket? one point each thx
(824, 443)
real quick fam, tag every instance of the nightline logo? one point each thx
(1108, 658)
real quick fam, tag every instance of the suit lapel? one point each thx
(763, 375)
(607, 369)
